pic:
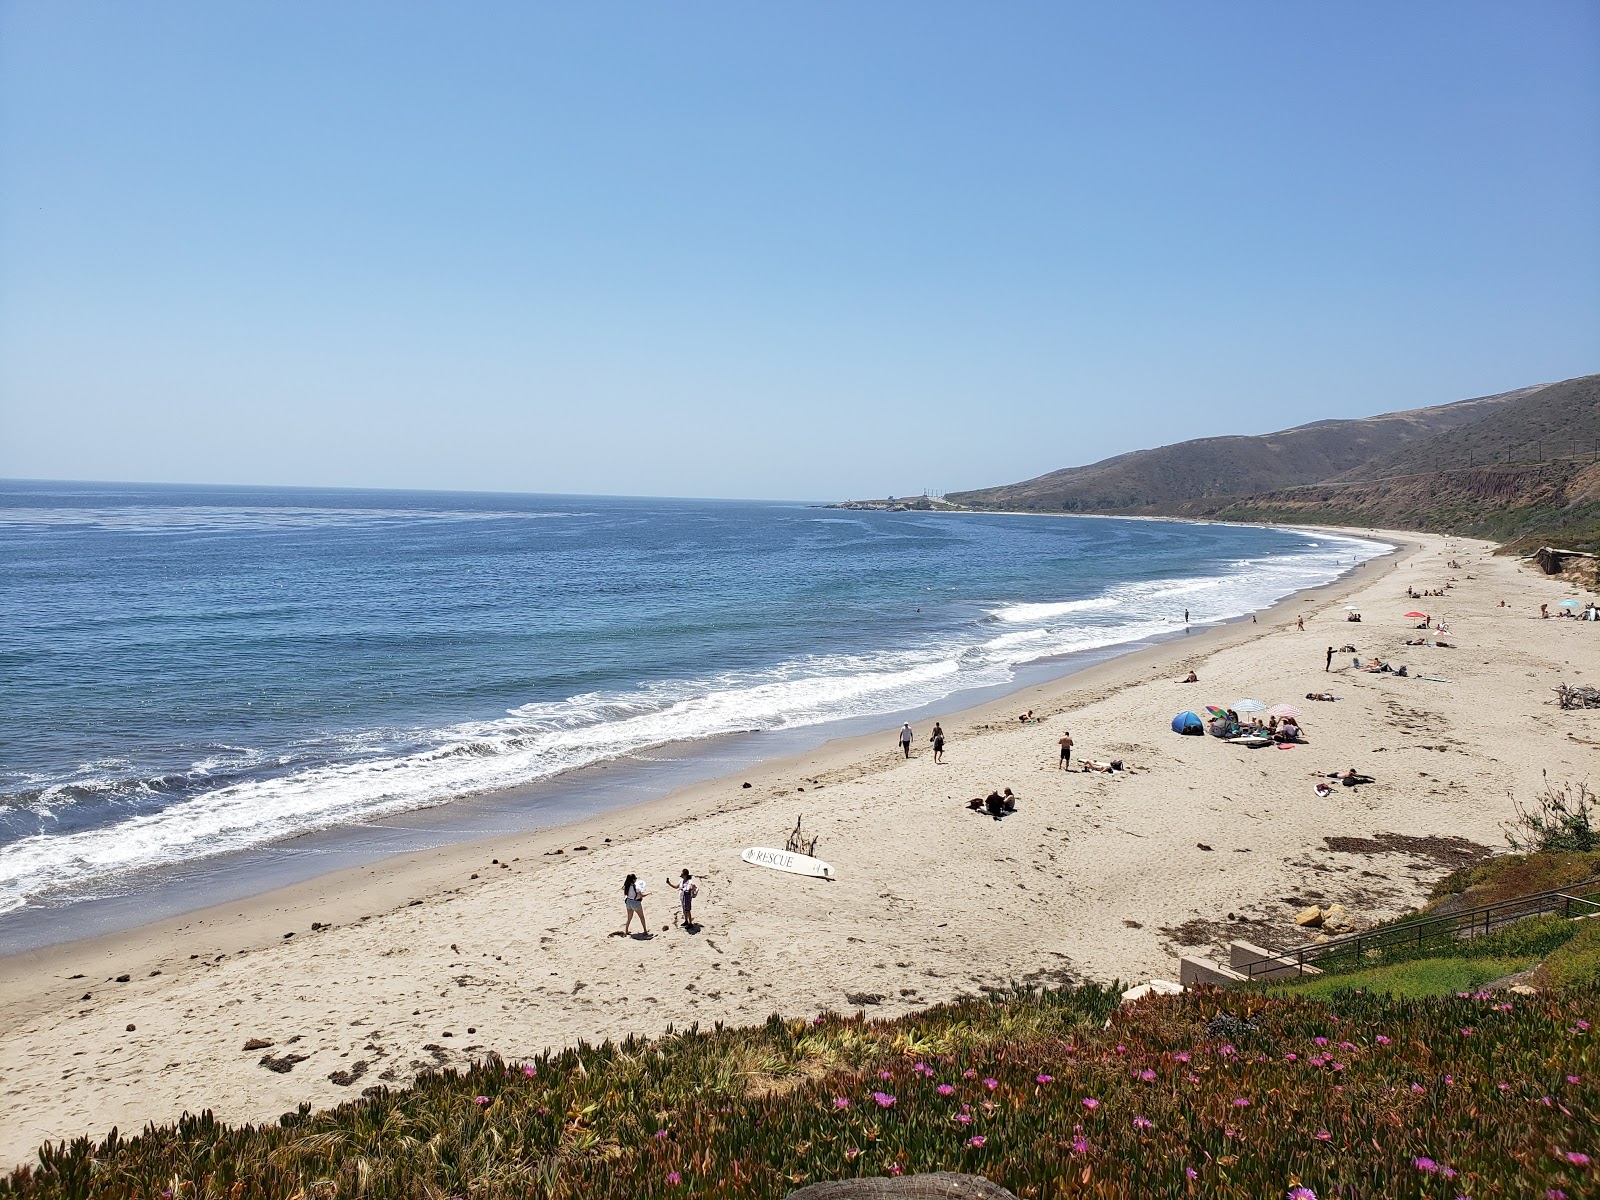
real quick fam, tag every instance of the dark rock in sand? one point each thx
(257, 1044)
(130, 1028)
(283, 1065)
(124, 978)
(1201, 846)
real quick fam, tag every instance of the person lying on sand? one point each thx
(1350, 778)
(1089, 764)
(1193, 678)
(1321, 696)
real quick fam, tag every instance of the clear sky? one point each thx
(805, 250)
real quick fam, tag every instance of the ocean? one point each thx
(188, 673)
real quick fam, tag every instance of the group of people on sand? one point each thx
(634, 892)
(1232, 725)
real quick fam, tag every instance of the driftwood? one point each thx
(941, 1185)
(797, 843)
(1577, 697)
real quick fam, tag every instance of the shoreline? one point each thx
(240, 877)
(1094, 876)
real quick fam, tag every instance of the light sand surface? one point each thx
(436, 958)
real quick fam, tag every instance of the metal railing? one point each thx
(1581, 900)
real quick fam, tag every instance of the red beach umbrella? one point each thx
(1416, 614)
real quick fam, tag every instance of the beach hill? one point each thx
(1498, 466)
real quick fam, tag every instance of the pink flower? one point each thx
(1079, 1146)
(841, 1101)
(480, 1099)
(1302, 1193)
(1324, 1136)
(884, 1099)
(1321, 1041)
(1043, 1078)
(674, 1177)
(991, 1084)
(964, 1118)
(852, 1152)
(1290, 1057)
(1581, 1027)
(1192, 1078)
(1090, 1102)
(1417, 1088)
(1504, 1087)
(1241, 1102)
(977, 1142)
(1466, 1031)
(1347, 1045)
(1577, 1159)
(660, 1133)
(945, 1089)
(1425, 1165)
(894, 1169)
(1191, 1173)
(969, 1073)
(1226, 1051)
(1555, 1194)
(1382, 1041)
(1147, 1075)
(1122, 1049)
(885, 1074)
(1181, 1056)
(529, 1070)
(1574, 1079)
(1141, 1123)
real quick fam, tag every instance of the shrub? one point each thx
(1559, 823)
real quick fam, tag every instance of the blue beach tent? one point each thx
(1187, 722)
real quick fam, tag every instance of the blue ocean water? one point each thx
(187, 672)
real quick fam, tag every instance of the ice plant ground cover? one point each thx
(1481, 1095)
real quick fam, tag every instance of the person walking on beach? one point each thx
(1301, 622)
(1186, 616)
(938, 742)
(1065, 743)
(687, 891)
(633, 900)
(1328, 666)
(905, 739)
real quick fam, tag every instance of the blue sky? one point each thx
(770, 250)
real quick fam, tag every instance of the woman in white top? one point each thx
(633, 898)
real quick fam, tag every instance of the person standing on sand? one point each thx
(1065, 743)
(1301, 622)
(687, 891)
(938, 742)
(905, 739)
(1186, 616)
(633, 900)
(1328, 666)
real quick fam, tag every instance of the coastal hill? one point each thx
(1516, 463)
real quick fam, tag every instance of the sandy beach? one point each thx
(367, 977)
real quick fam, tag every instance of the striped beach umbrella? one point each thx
(1284, 710)
(1248, 705)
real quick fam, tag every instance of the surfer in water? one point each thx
(905, 739)
(633, 899)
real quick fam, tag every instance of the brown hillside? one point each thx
(1195, 477)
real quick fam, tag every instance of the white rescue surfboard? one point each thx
(786, 860)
